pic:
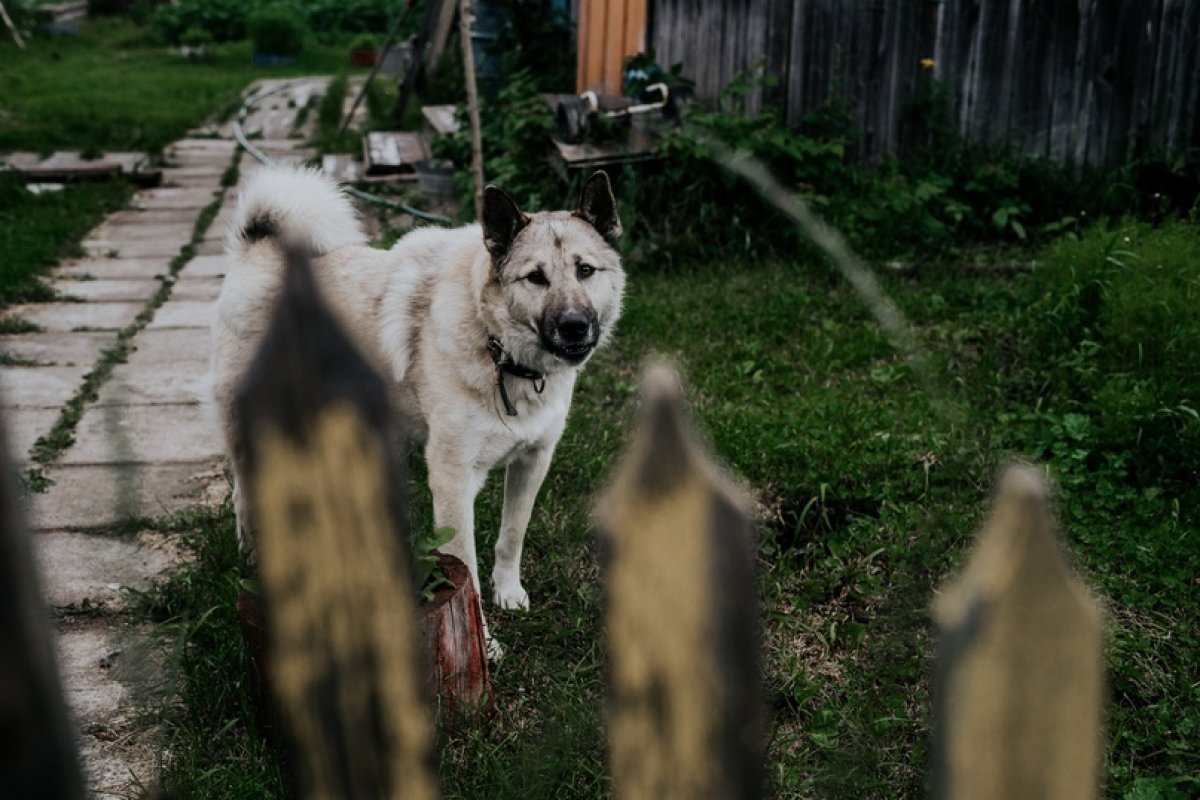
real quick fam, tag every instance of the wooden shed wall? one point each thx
(609, 31)
(1081, 80)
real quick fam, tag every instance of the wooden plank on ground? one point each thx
(341, 167)
(1019, 678)
(391, 152)
(441, 120)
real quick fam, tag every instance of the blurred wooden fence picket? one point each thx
(1018, 678)
(332, 554)
(38, 758)
(686, 715)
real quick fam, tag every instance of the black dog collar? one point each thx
(505, 364)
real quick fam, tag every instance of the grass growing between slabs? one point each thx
(867, 502)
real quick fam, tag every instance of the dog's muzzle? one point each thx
(573, 335)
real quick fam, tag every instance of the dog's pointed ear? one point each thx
(502, 221)
(598, 207)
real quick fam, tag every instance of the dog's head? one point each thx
(557, 280)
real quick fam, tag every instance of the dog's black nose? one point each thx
(573, 326)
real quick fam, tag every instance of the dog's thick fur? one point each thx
(547, 285)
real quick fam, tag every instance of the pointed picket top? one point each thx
(685, 717)
(326, 501)
(1019, 666)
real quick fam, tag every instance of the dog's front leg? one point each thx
(454, 482)
(521, 483)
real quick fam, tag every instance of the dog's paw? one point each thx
(512, 597)
(495, 650)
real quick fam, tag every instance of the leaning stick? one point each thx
(16, 35)
(391, 37)
(464, 33)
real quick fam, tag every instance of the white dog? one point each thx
(480, 331)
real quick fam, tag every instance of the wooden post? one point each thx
(333, 557)
(686, 709)
(37, 739)
(1019, 679)
(468, 54)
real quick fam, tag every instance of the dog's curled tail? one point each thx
(293, 205)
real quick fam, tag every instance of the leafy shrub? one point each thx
(516, 133)
(224, 20)
(1120, 333)
(276, 31)
(196, 37)
(227, 20)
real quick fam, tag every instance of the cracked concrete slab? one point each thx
(195, 199)
(179, 231)
(162, 383)
(182, 314)
(40, 387)
(168, 346)
(108, 291)
(59, 349)
(96, 570)
(23, 427)
(81, 317)
(115, 269)
(205, 290)
(210, 266)
(111, 670)
(155, 434)
(135, 248)
(152, 216)
(210, 247)
(86, 497)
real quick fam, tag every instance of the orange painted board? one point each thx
(614, 48)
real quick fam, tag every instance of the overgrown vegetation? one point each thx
(37, 230)
(868, 502)
(112, 88)
(229, 20)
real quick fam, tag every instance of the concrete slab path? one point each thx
(146, 442)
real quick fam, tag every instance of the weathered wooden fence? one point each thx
(1018, 679)
(1089, 81)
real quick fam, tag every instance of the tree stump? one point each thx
(452, 635)
(455, 651)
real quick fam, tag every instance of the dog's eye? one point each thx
(585, 271)
(538, 278)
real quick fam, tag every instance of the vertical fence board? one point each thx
(1019, 666)
(685, 717)
(37, 740)
(333, 557)
(1092, 82)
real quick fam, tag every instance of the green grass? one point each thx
(871, 502)
(112, 88)
(36, 230)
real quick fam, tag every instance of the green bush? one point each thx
(276, 31)
(517, 125)
(227, 20)
(196, 37)
(224, 20)
(1119, 333)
